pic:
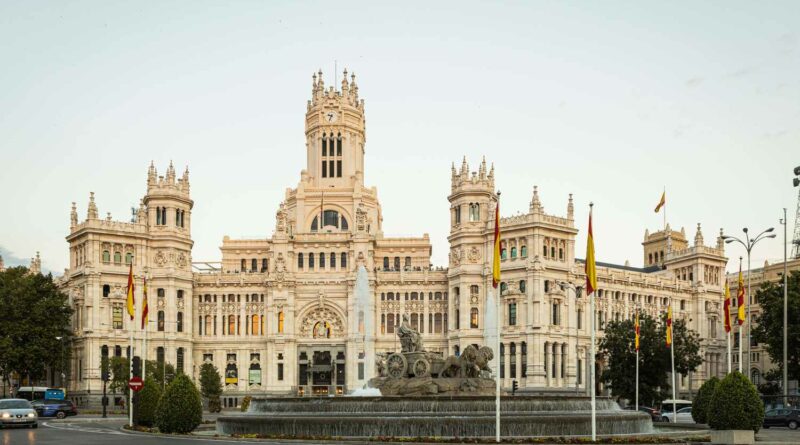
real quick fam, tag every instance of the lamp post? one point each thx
(748, 245)
(785, 311)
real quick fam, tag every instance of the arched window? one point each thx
(512, 352)
(513, 252)
(344, 225)
(208, 325)
(503, 252)
(160, 354)
(437, 323)
(343, 261)
(255, 324)
(330, 218)
(522, 286)
(503, 287)
(117, 351)
(106, 256)
(300, 260)
(253, 265)
(231, 325)
(386, 263)
(755, 376)
(117, 257)
(243, 266)
(512, 314)
(311, 260)
(106, 290)
(473, 318)
(502, 360)
(180, 322)
(415, 321)
(322, 329)
(552, 252)
(128, 258)
(179, 361)
(160, 318)
(456, 350)
(321, 260)
(333, 260)
(560, 253)
(280, 322)
(523, 251)
(544, 251)
(523, 359)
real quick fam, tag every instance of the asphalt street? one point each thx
(88, 432)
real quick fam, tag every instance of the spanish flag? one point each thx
(740, 297)
(662, 202)
(145, 309)
(591, 271)
(726, 311)
(131, 299)
(636, 325)
(496, 259)
(669, 325)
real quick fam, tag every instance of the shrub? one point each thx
(180, 409)
(735, 405)
(246, 403)
(701, 402)
(144, 411)
(214, 404)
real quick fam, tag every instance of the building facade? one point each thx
(278, 314)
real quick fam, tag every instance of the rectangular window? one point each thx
(580, 371)
(331, 171)
(512, 314)
(280, 371)
(117, 316)
(324, 169)
(324, 147)
(338, 169)
(361, 370)
(338, 147)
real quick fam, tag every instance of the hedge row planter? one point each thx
(733, 437)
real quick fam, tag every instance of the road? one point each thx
(89, 432)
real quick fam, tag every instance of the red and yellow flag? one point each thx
(669, 325)
(496, 259)
(662, 202)
(591, 271)
(131, 299)
(636, 325)
(726, 311)
(145, 309)
(740, 297)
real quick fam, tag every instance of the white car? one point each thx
(15, 412)
(684, 416)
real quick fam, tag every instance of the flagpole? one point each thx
(738, 321)
(592, 357)
(672, 358)
(728, 335)
(497, 380)
(130, 364)
(665, 211)
(637, 359)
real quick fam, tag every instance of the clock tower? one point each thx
(335, 134)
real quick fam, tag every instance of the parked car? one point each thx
(782, 417)
(684, 416)
(55, 408)
(655, 415)
(17, 412)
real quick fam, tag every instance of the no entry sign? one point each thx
(135, 384)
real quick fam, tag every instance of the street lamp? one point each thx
(748, 245)
(785, 307)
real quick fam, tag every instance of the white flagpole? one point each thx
(637, 366)
(497, 380)
(591, 371)
(728, 335)
(672, 358)
(130, 372)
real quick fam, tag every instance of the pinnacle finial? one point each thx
(570, 208)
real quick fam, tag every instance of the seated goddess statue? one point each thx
(410, 340)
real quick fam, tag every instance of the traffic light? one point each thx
(105, 375)
(137, 366)
(514, 387)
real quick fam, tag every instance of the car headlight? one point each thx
(6, 415)
(31, 414)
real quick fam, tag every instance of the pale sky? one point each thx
(611, 101)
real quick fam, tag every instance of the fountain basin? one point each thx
(459, 416)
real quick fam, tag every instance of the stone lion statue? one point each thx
(465, 365)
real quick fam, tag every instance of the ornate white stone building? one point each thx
(277, 315)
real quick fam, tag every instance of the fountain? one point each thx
(426, 395)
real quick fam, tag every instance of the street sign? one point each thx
(135, 384)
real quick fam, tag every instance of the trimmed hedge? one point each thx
(701, 402)
(735, 405)
(180, 409)
(144, 411)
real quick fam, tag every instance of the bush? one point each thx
(180, 409)
(214, 404)
(246, 403)
(703, 399)
(735, 405)
(146, 403)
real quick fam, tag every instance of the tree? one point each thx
(703, 400)
(735, 405)
(154, 371)
(120, 374)
(769, 325)
(34, 325)
(654, 357)
(146, 404)
(211, 386)
(180, 409)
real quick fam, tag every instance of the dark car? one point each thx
(655, 415)
(782, 417)
(55, 408)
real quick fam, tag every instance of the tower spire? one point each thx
(91, 213)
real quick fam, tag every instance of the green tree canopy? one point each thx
(179, 409)
(120, 374)
(155, 372)
(35, 321)
(769, 325)
(654, 357)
